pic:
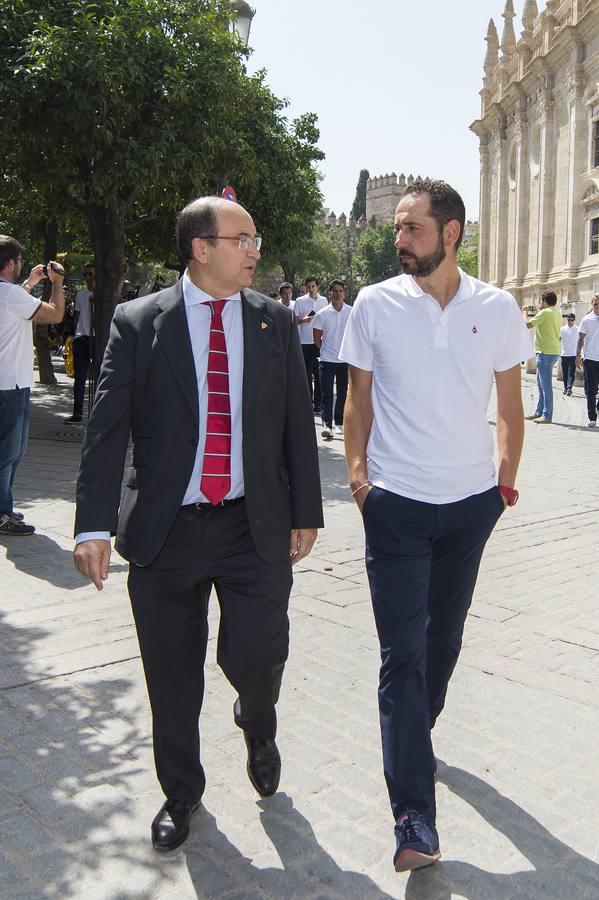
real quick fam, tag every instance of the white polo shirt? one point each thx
(83, 307)
(303, 306)
(589, 326)
(332, 324)
(16, 336)
(432, 378)
(569, 338)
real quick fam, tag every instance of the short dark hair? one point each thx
(336, 281)
(312, 278)
(283, 285)
(550, 297)
(9, 249)
(446, 203)
(197, 219)
(570, 316)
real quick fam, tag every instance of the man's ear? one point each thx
(199, 249)
(452, 232)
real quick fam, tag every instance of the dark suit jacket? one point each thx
(148, 388)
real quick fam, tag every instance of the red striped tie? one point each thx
(216, 469)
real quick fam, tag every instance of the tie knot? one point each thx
(216, 306)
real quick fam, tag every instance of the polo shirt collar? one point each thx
(193, 295)
(464, 292)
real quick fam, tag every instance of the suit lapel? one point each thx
(258, 329)
(172, 332)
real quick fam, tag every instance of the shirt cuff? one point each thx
(92, 536)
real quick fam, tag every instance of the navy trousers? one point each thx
(422, 561)
(333, 373)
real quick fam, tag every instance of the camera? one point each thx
(54, 268)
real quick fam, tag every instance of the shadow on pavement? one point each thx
(554, 872)
(67, 755)
(41, 557)
(217, 867)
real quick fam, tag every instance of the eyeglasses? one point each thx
(244, 241)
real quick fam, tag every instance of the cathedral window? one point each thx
(594, 248)
(596, 144)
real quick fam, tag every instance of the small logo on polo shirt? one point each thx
(474, 329)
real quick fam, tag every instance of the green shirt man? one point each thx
(547, 325)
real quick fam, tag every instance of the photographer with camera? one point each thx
(17, 311)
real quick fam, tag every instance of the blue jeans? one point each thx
(422, 561)
(14, 430)
(545, 364)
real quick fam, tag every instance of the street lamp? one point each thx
(243, 21)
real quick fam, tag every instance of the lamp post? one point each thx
(243, 21)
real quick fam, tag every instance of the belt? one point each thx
(198, 507)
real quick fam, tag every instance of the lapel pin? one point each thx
(263, 325)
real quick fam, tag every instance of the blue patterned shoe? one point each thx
(417, 842)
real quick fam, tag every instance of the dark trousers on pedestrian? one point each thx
(333, 373)
(591, 377)
(14, 431)
(81, 357)
(310, 352)
(422, 561)
(568, 371)
(208, 548)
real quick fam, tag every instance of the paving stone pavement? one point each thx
(518, 788)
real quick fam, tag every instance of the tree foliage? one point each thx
(375, 258)
(359, 206)
(120, 111)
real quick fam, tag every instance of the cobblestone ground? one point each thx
(518, 787)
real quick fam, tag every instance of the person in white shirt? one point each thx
(329, 328)
(305, 309)
(569, 340)
(286, 295)
(423, 350)
(17, 311)
(81, 341)
(588, 337)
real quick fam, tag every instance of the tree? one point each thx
(467, 257)
(375, 258)
(123, 110)
(316, 255)
(359, 207)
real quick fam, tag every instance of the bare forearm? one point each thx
(510, 438)
(357, 422)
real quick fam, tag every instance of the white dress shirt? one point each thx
(198, 320)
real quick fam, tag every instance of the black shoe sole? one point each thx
(408, 860)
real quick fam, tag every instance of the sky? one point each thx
(395, 85)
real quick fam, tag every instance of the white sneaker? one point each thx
(592, 424)
(338, 429)
(327, 434)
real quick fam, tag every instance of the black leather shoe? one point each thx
(264, 764)
(170, 828)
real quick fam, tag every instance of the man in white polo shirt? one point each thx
(305, 309)
(17, 310)
(588, 337)
(329, 328)
(423, 349)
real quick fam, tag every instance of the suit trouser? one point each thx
(329, 373)
(422, 561)
(207, 548)
(81, 358)
(310, 352)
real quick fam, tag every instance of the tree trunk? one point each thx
(107, 227)
(40, 332)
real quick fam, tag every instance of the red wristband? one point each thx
(510, 494)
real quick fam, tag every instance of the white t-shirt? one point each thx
(569, 339)
(291, 303)
(303, 306)
(432, 378)
(589, 326)
(83, 307)
(16, 336)
(332, 324)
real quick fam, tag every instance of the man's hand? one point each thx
(578, 361)
(92, 559)
(55, 272)
(302, 541)
(36, 275)
(361, 496)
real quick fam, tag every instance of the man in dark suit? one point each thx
(209, 380)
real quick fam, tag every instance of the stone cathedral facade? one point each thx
(539, 151)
